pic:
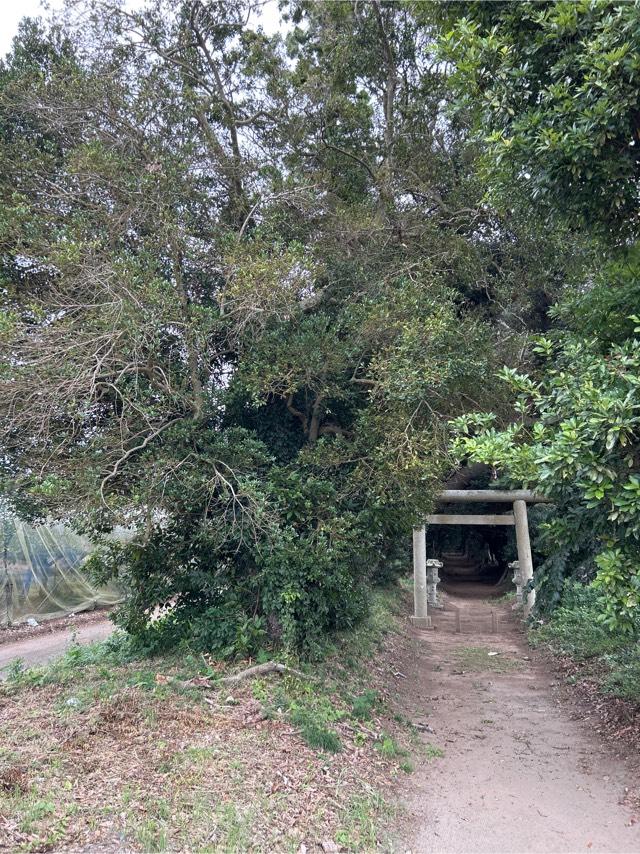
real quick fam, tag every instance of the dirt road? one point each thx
(518, 773)
(44, 647)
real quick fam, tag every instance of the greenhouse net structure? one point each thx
(42, 573)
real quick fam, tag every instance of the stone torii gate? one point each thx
(519, 498)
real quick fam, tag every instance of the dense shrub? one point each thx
(575, 440)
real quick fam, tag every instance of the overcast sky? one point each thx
(11, 11)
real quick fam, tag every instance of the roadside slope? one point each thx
(104, 750)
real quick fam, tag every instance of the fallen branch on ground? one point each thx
(235, 678)
(262, 670)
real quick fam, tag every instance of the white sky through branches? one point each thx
(12, 12)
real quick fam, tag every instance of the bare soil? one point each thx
(521, 770)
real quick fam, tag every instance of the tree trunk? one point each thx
(314, 423)
(385, 173)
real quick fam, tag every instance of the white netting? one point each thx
(42, 573)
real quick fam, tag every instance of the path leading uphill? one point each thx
(520, 773)
(44, 647)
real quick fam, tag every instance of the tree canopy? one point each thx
(556, 84)
(248, 280)
(556, 89)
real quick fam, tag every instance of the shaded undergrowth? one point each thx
(575, 630)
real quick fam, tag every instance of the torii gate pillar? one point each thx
(421, 618)
(523, 544)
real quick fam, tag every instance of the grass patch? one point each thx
(431, 751)
(42, 818)
(151, 832)
(389, 748)
(234, 828)
(361, 823)
(364, 705)
(574, 630)
(623, 678)
(480, 658)
(102, 657)
(508, 596)
(315, 731)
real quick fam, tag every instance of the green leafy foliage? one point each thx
(576, 441)
(240, 322)
(238, 330)
(554, 87)
(605, 309)
(574, 628)
(551, 90)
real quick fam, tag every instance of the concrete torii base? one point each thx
(421, 622)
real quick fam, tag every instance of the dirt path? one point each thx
(44, 647)
(519, 773)
(20, 631)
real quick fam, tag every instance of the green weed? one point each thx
(576, 633)
(234, 828)
(314, 731)
(363, 705)
(35, 812)
(43, 817)
(152, 835)
(389, 748)
(361, 823)
(433, 752)
(575, 630)
(151, 832)
(623, 679)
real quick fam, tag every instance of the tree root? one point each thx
(236, 678)
(261, 670)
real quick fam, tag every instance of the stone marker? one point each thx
(433, 579)
(518, 580)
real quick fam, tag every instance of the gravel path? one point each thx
(44, 647)
(520, 773)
